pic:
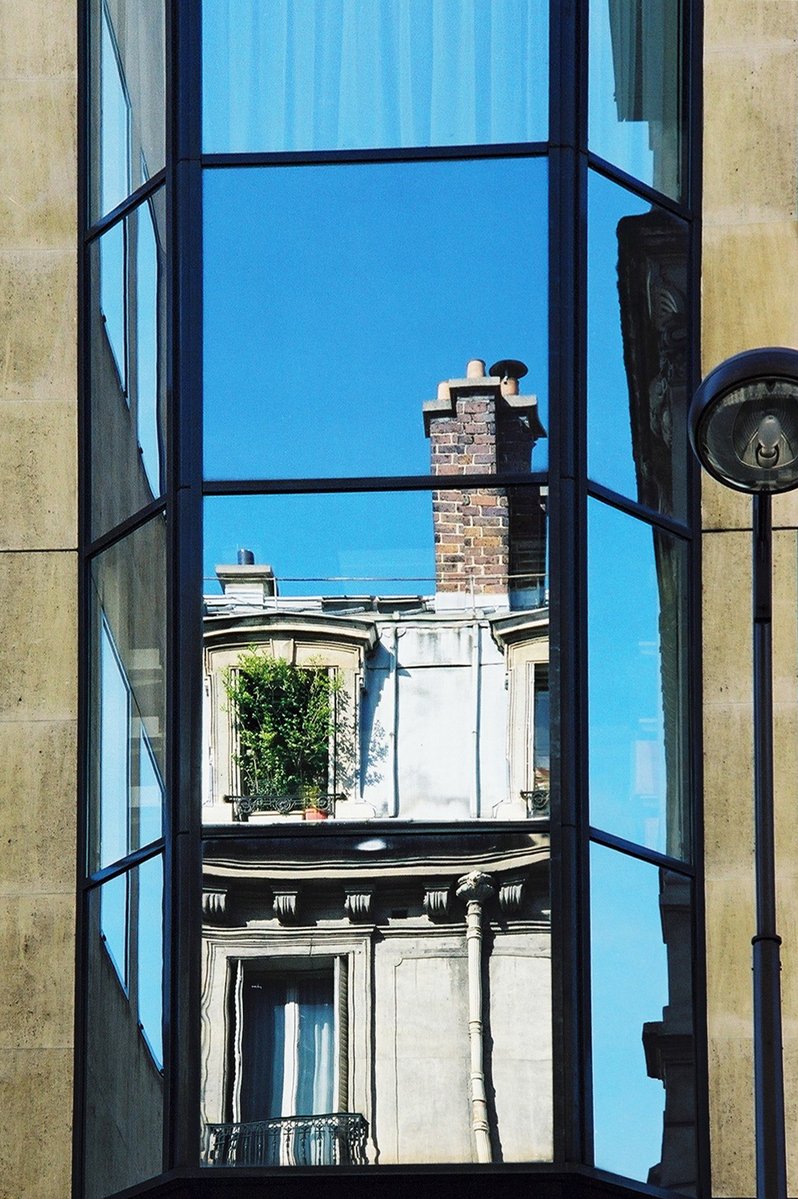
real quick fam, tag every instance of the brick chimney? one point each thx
(487, 541)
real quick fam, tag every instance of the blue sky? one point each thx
(337, 297)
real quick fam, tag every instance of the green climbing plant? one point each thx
(285, 718)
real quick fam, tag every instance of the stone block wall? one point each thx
(749, 268)
(37, 594)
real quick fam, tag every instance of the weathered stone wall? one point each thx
(37, 593)
(750, 267)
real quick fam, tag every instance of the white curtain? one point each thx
(333, 74)
(288, 1046)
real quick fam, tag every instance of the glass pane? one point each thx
(357, 288)
(637, 682)
(127, 695)
(114, 703)
(376, 995)
(145, 350)
(113, 924)
(114, 120)
(127, 99)
(148, 797)
(388, 663)
(124, 1086)
(643, 1041)
(637, 348)
(112, 300)
(149, 946)
(635, 89)
(338, 74)
(128, 370)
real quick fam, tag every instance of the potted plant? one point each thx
(285, 720)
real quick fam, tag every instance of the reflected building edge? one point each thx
(652, 263)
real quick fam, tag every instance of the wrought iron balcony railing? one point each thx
(283, 805)
(338, 1139)
(537, 801)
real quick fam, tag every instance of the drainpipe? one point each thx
(474, 889)
(476, 702)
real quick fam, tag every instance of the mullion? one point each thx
(143, 192)
(634, 849)
(288, 158)
(601, 166)
(243, 487)
(622, 503)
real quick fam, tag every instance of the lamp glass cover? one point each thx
(748, 437)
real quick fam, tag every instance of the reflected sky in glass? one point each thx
(113, 923)
(629, 988)
(338, 74)
(630, 653)
(337, 297)
(147, 347)
(327, 544)
(115, 124)
(112, 296)
(150, 954)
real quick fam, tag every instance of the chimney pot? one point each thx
(475, 369)
(246, 558)
(444, 392)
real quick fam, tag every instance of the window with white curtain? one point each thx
(288, 1044)
(344, 74)
(289, 1041)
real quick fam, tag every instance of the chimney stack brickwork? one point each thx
(474, 427)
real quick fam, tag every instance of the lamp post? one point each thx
(744, 429)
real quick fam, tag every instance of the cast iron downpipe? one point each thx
(475, 888)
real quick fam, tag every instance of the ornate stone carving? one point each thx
(511, 895)
(475, 887)
(358, 903)
(438, 901)
(214, 906)
(286, 906)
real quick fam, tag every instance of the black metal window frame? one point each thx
(569, 164)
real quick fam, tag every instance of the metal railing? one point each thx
(537, 801)
(283, 805)
(337, 1139)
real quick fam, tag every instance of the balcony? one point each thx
(338, 1139)
(311, 806)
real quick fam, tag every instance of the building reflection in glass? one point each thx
(376, 946)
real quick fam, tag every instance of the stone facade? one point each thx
(38, 571)
(749, 266)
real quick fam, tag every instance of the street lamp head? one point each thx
(744, 421)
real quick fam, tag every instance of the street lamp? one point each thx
(744, 429)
